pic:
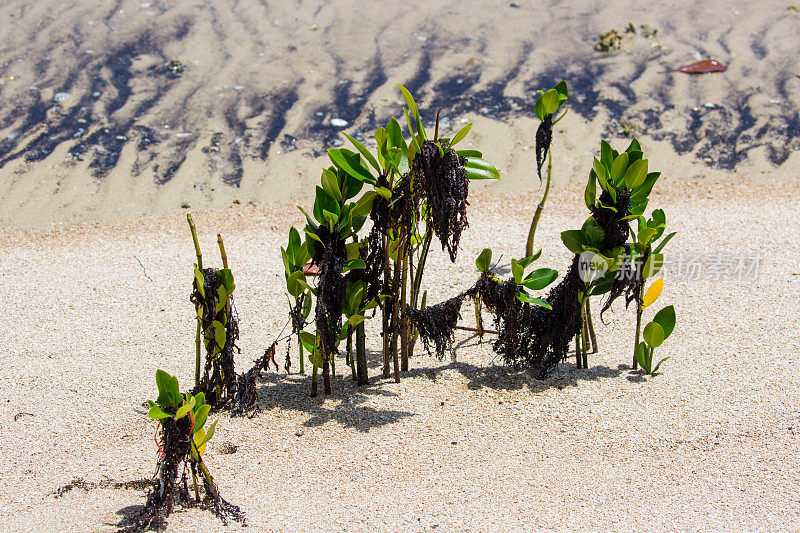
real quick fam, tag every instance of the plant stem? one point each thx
(395, 319)
(540, 207)
(385, 311)
(222, 251)
(589, 323)
(639, 311)
(300, 344)
(585, 333)
(314, 381)
(361, 355)
(350, 353)
(405, 341)
(196, 243)
(197, 355)
(479, 318)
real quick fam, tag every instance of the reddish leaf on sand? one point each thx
(701, 67)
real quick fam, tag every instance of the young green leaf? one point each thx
(522, 297)
(461, 134)
(664, 242)
(156, 413)
(574, 240)
(653, 334)
(480, 169)
(618, 168)
(484, 260)
(590, 194)
(366, 153)
(540, 278)
(185, 408)
(666, 319)
(518, 271)
(350, 162)
(636, 174)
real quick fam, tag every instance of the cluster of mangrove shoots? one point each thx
(182, 443)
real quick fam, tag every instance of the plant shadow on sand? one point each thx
(290, 392)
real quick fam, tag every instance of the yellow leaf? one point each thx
(199, 437)
(653, 292)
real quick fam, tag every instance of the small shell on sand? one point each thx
(60, 97)
(338, 122)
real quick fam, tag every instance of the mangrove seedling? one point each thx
(181, 445)
(212, 295)
(547, 105)
(335, 220)
(654, 335)
(294, 257)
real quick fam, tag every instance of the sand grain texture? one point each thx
(710, 444)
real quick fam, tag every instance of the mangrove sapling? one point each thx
(182, 443)
(335, 221)
(648, 261)
(654, 335)
(294, 258)
(547, 105)
(212, 295)
(428, 182)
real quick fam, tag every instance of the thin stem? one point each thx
(540, 207)
(314, 381)
(479, 318)
(639, 311)
(350, 355)
(405, 341)
(361, 355)
(592, 335)
(585, 337)
(197, 355)
(302, 356)
(222, 251)
(196, 242)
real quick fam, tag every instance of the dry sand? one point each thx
(710, 444)
(96, 260)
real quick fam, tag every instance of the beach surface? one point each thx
(115, 110)
(711, 443)
(116, 119)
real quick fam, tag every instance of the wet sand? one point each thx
(94, 126)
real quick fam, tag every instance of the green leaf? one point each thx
(185, 408)
(355, 320)
(538, 108)
(540, 278)
(222, 299)
(209, 433)
(199, 281)
(384, 192)
(574, 240)
(314, 236)
(643, 191)
(470, 153)
(458, 137)
(590, 194)
(653, 265)
(156, 413)
(366, 153)
(664, 242)
(480, 169)
(225, 275)
(606, 155)
(355, 264)
(600, 173)
(636, 174)
(219, 333)
(666, 319)
(200, 417)
(618, 168)
(364, 204)
(550, 102)
(350, 162)
(653, 334)
(294, 244)
(309, 341)
(296, 283)
(634, 146)
(409, 101)
(642, 356)
(645, 235)
(659, 365)
(562, 89)
(522, 297)
(517, 270)
(330, 183)
(484, 260)
(382, 139)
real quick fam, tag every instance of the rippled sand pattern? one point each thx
(85, 92)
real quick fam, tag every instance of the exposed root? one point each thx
(176, 442)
